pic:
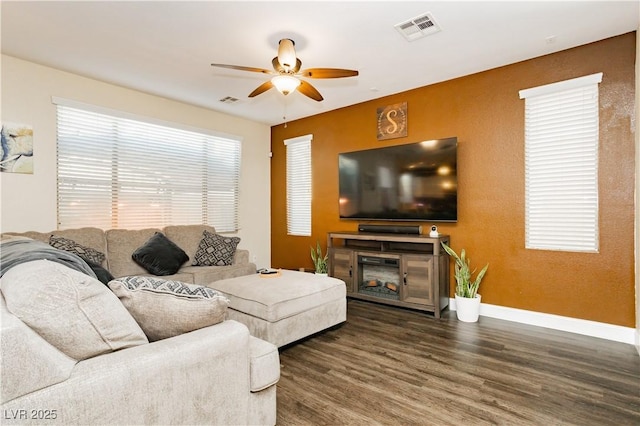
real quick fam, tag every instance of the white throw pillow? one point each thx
(167, 308)
(74, 312)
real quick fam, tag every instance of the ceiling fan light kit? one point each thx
(287, 73)
(285, 83)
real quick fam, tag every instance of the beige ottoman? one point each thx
(285, 307)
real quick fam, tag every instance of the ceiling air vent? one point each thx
(228, 100)
(418, 27)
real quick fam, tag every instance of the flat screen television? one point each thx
(412, 182)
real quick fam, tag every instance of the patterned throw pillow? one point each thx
(166, 308)
(215, 250)
(160, 256)
(87, 254)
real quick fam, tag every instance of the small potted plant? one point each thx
(319, 261)
(467, 297)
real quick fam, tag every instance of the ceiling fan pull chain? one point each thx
(284, 114)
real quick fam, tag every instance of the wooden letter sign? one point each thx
(392, 121)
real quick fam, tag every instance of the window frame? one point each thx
(186, 157)
(299, 185)
(561, 165)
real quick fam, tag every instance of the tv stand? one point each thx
(410, 271)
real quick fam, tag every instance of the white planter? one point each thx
(467, 308)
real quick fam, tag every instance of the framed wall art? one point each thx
(16, 148)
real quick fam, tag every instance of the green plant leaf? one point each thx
(465, 286)
(319, 261)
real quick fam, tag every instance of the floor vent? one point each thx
(418, 27)
(228, 100)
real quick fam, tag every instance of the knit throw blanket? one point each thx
(15, 252)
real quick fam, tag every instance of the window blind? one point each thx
(299, 185)
(561, 165)
(116, 172)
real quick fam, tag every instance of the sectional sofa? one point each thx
(73, 350)
(118, 245)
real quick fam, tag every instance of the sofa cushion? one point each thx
(74, 312)
(187, 237)
(160, 256)
(89, 237)
(7, 238)
(215, 250)
(20, 347)
(166, 308)
(121, 243)
(88, 254)
(282, 296)
(205, 275)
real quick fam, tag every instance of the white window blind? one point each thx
(299, 185)
(116, 172)
(561, 165)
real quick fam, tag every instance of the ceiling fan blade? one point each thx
(308, 90)
(327, 73)
(261, 89)
(241, 68)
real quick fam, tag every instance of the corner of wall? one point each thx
(637, 197)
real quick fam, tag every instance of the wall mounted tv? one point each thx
(412, 182)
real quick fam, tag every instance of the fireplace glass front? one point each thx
(379, 276)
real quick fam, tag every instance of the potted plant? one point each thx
(467, 297)
(319, 261)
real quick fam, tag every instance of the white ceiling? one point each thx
(166, 48)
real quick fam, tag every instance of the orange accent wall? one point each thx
(484, 111)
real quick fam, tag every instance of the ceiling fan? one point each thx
(287, 73)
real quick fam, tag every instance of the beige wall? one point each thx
(28, 202)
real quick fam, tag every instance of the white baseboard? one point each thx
(601, 330)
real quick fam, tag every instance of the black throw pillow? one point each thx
(160, 256)
(102, 274)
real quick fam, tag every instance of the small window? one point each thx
(121, 172)
(299, 185)
(561, 165)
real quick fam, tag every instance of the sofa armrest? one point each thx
(200, 377)
(241, 257)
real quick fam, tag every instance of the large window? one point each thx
(299, 185)
(119, 172)
(561, 165)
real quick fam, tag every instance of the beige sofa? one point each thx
(217, 374)
(119, 244)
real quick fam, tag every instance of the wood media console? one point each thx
(402, 270)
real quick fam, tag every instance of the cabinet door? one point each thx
(418, 282)
(341, 266)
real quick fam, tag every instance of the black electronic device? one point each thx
(390, 229)
(410, 182)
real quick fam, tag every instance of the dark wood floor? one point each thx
(391, 366)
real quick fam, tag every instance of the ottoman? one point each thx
(285, 307)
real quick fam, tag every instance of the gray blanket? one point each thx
(14, 253)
